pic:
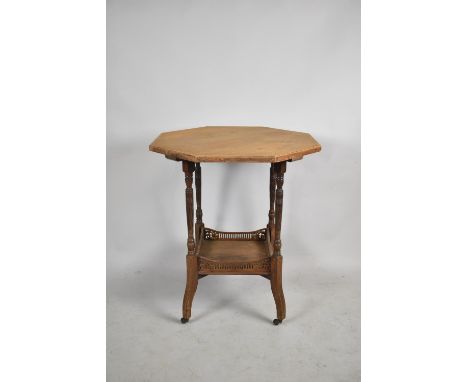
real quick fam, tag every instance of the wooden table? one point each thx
(212, 252)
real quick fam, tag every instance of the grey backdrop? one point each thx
(285, 64)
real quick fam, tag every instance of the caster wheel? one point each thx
(184, 320)
(277, 322)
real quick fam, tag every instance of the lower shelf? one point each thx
(235, 253)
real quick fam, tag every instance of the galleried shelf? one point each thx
(212, 252)
(234, 253)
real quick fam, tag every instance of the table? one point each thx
(213, 252)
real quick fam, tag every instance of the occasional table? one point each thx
(213, 252)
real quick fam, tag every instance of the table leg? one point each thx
(192, 261)
(271, 213)
(199, 222)
(277, 259)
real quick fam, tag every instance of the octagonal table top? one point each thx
(235, 144)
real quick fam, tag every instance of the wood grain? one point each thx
(276, 283)
(235, 144)
(199, 212)
(280, 169)
(191, 259)
(234, 253)
(214, 252)
(233, 250)
(271, 212)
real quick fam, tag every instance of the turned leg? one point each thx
(271, 213)
(277, 259)
(199, 214)
(192, 261)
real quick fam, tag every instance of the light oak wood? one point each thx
(235, 144)
(213, 252)
(271, 213)
(233, 251)
(277, 287)
(199, 222)
(279, 170)
(192, 261)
